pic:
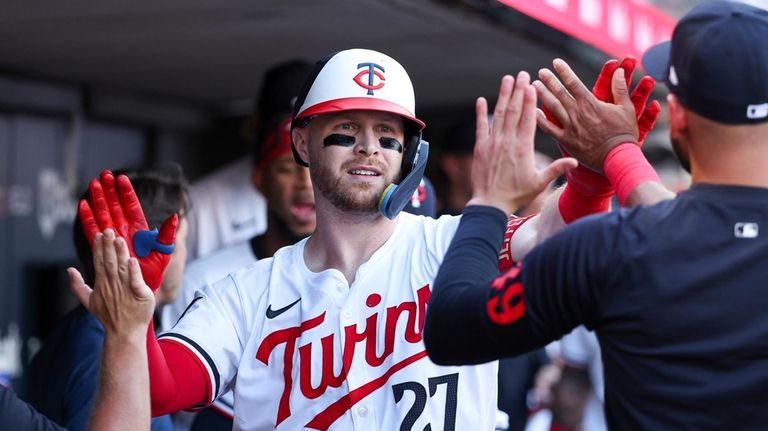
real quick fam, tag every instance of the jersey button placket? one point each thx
(363, 418)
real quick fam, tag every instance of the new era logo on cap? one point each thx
(756, 112)
(717, 62)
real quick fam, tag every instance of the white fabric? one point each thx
(296, 355)
(203, 271)
(226, 210)
(580, 348)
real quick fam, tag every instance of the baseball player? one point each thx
(327, 334)
(675, 290)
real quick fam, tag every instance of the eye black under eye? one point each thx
(348, 141)
(391, 144)
(339, 139)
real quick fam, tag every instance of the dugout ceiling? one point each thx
(214, 52)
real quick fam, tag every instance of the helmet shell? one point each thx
(357, 79)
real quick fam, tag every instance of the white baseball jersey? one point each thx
(226, 210)
(305, 350)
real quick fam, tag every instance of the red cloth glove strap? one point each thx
(626, 167)
(586, 181)
(573, 204)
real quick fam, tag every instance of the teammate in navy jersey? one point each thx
(675, 290)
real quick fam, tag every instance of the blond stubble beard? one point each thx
(362, 198)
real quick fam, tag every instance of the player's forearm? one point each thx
(122, 402)
(648, 193)
(177, 380)
(458, 329)
(454, 316)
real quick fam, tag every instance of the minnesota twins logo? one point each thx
(371, 72)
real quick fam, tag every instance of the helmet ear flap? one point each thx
(396, 196)
(409, 154)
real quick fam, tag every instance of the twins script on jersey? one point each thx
(305, 350)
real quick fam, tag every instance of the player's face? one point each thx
(290, 198)
(354, 156)
(175, 269)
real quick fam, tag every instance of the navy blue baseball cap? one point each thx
(717, 62)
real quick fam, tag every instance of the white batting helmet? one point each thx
(357, 79)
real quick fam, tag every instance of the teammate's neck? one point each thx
(736, 155)
(344, 241)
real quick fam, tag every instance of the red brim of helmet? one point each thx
(360, 103)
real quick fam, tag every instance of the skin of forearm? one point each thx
(123, 402)
(648, 193)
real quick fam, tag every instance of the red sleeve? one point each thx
(178, 378)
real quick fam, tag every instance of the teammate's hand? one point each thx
(589, 128)
(504, 173)
(646, 115)
(114, 205)
(120, 299)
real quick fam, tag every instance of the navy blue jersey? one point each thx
(677, 293)
(15, 414)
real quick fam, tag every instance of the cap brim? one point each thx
(360, 103)
(656, 61)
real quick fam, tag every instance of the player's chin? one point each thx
(300, 230)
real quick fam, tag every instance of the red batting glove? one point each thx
(588, 191)
(586, 180)
(114, 205)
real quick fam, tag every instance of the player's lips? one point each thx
(303, 211)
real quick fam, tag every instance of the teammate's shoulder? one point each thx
(240, 252)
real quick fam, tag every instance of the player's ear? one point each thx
(300, 136)
(678, 121)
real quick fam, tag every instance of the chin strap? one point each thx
(396, 196)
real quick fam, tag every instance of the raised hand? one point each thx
(586, 181)
(504, 174)
(646, 115)
(120, 299)
(113, 204)
(586, 126)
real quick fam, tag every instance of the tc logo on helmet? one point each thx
(371, 72)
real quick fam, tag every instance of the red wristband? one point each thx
(626, 167)
(573, 204)
(506, 260)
